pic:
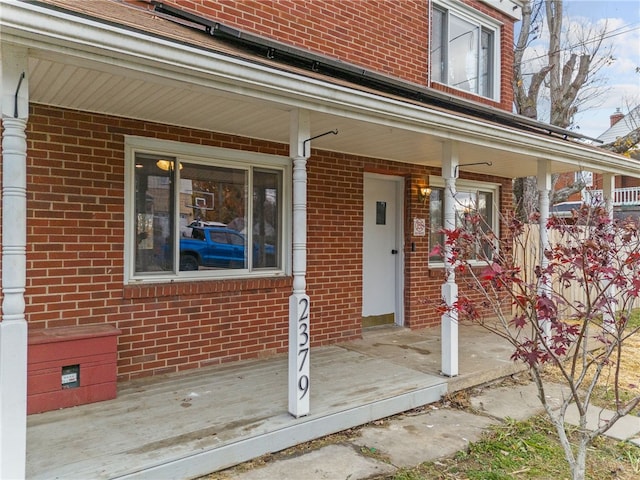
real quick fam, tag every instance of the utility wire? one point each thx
(613, 33)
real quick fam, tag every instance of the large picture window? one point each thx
(471, 198)
(464, 51)
(204, 212)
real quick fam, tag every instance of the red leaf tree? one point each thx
(567, 305)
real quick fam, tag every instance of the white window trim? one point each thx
(485, 21)
(465, 185)
(202, 155)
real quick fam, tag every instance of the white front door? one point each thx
(382, 250)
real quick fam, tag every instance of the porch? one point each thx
(189, 424)
(622, 197)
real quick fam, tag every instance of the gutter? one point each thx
(301, 58)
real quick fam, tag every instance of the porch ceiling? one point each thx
(125, 93)
(104, 68)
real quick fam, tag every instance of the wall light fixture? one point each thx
(423, 193)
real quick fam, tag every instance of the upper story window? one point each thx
(203, 212)
(471, 198)
(465, 50)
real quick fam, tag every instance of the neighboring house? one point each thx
(626, 195)
(339, 137)
(626, 198)
(620, 126)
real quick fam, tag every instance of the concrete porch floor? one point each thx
(189, 424)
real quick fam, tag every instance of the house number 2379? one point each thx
(303, 348)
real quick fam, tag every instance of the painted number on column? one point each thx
(303, 348)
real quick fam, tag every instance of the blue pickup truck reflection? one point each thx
(221, 247)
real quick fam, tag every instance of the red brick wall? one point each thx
(621, 181)
(75, 249)
(334, 244)
(389, 36)
(75, 238)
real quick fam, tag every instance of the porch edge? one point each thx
(307, 428)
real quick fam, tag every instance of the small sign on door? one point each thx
(381, 213)
(419, 227)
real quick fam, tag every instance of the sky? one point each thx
(620, 79)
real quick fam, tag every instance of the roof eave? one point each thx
(38, 27)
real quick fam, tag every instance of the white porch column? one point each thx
(608, 193)
(299, 307)
(544, 190)
(449, 321)
(13, 327)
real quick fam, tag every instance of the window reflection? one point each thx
(212, 194)
(438, 29)
(436, 221)
(485, 86)
(195, 218)
(154, 214)
(266, 219)
(467, 203)
(462, 52)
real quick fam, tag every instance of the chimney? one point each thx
(616, 117)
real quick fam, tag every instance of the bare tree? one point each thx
(569, 76)
(526, 93)
(576, 55)
(565, 78)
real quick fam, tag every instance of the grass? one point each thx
(526, 450)
(629, 376)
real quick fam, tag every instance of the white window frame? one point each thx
(203, 155)
(484, 22)
(467, 186)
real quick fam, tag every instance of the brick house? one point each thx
(327, 142)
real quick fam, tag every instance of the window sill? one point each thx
(203, 287)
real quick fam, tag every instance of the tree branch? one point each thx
(624, 144)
